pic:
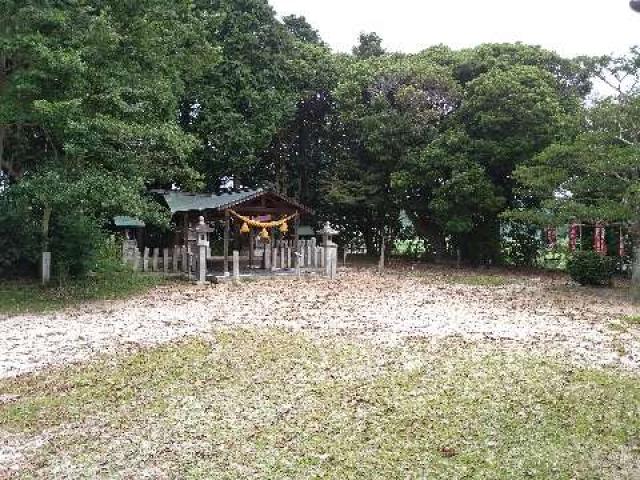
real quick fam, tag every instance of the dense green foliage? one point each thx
(102, 100)
(590, 268)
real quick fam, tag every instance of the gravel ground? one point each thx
(535, 314)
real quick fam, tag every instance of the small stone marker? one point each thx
(267, 257)
(145, 260)
(46, 267)
(236, 266)
(165, 261)
(274, 259)
(156, 259)
(176, 256)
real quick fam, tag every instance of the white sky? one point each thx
(570, 27)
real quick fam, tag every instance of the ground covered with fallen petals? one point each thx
(418, 373)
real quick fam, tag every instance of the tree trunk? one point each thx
(381, 261)
(46, 255)
(635, 265)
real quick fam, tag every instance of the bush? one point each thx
(590, 268)
(75, 241)
(20, 240)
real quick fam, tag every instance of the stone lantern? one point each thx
(202, 241)
(330, 250)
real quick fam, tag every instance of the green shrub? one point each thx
(75, 241)
(590, 268)
(20, 240)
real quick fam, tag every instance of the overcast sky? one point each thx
(570, 27)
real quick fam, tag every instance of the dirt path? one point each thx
(526, 313)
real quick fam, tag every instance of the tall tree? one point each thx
(389, 106)
(369, 46)
(89, 95)
(244, 99)
(594, 176)
(301, 29)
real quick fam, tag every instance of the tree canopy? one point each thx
(102, 100)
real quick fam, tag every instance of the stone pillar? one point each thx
(136, 260)
(156, 258)
(274, 258)
(176, 255)
(267, 256)
(165, 261)
(185, 260)
(46, 267)
(334, 264)
(236, 266)
(145, 260)
(289, 257)
(322, 256)
(283, 256)
(298, 256)
(303, 247)
(202, 264)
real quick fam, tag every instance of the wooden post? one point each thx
(227, 232)
(185, 247)
(382, 248)
(296, 235)
(252, 248)
(236, 266)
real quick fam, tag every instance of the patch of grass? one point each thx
(632, 320)
(30, 297)
(475, 280)
(275, 405)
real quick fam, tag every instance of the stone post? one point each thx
(46, 267)
(330, 249)
(274, 258)
(283, 256)
(202, 232)
(165, 261)
(303, 247)
(236, 266)
(145, 260)
(289, 257)
(174, 259)
(267, 256)
(156, 258)
(136, 261)
(298, 256)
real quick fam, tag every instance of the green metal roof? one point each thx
(188, 202)
(199, 202)
(128, 222)
(306, 231)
